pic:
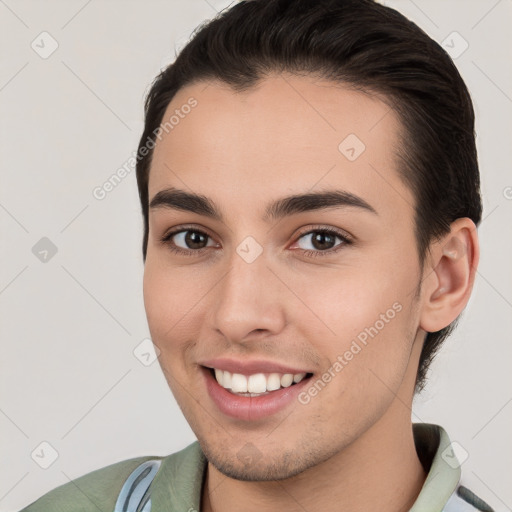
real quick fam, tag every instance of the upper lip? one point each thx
(250, 367)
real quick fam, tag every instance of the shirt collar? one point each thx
(444, 472)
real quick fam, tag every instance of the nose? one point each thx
(249, 301)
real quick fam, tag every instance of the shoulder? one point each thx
(94, 491)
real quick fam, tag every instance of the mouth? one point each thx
(256, 384)
(255, 396)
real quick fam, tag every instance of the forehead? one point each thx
(287, 134)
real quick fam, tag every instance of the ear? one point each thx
(450, 275)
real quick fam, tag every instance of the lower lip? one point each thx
(250, 408)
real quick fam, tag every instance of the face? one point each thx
(268, 290)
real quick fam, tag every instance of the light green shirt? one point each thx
(178, 483)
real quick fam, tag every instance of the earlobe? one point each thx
(448, 288)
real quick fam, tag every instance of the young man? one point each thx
(310, 191)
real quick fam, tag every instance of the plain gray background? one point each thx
(71, 304)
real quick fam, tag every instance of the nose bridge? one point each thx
(248, 297)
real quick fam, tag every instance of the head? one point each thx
(298, 98)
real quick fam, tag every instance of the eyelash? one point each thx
(346, 240)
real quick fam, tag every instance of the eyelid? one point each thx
(304, 231)
(347, 239)
(184, 227)
(331, 229)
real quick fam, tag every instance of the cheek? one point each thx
(340, 304)
(169, 297)
(364, 318)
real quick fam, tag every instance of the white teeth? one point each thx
(226, 380)
(256, 384)
(298, 377)
(219, 376)
(286, 380)
(273, 382)
(238, 383)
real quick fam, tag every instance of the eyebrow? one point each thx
(173, 198)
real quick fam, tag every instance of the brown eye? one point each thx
(187, 241)
(322, 242)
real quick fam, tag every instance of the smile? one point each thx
(257, 384)
(255, 396)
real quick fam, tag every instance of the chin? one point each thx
(260, 472)
(251, 465)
